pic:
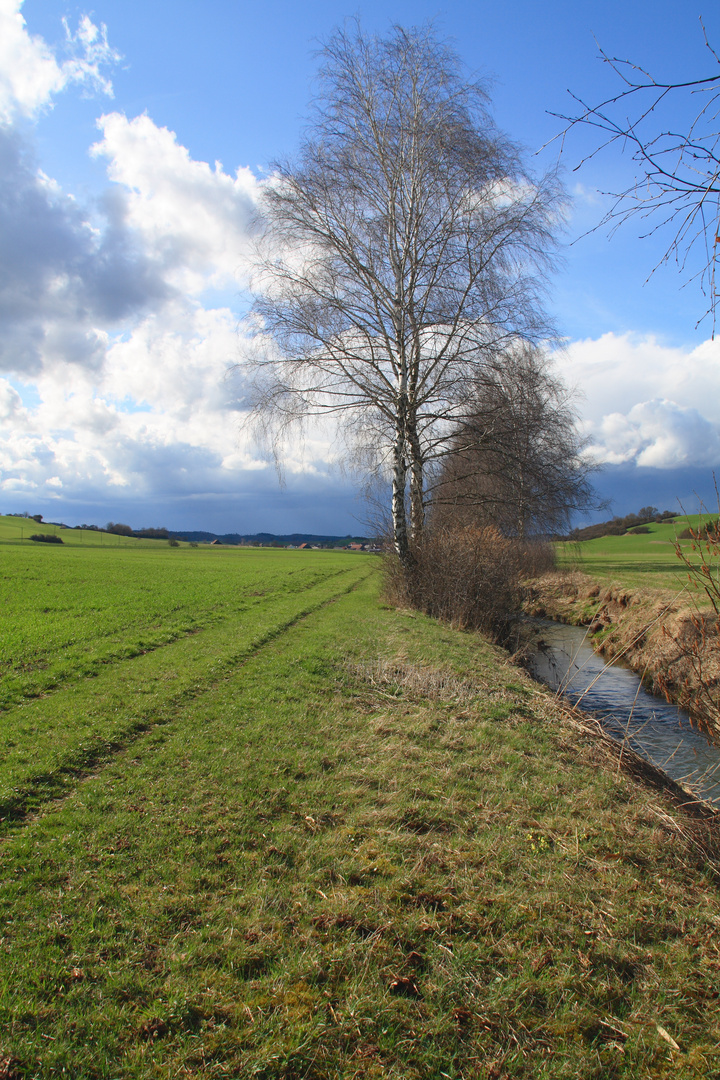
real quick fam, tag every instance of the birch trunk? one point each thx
(399, 515)
(417, 502)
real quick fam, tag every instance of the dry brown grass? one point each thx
(400, 678)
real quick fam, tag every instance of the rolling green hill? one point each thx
(644, 560)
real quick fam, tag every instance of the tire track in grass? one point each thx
(24, 788)
(15, 691)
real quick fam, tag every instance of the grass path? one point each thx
(69, 612)
(52, 739)
(358, 845)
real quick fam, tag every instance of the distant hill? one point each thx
(201, 536)
(267, 539)
(618, 526)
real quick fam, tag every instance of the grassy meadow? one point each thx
(256, 823)
(647, 560)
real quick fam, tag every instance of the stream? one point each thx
(655, 729)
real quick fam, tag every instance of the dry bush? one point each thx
(537, 557)
(706, 531)
(468, 576)
(699, 644)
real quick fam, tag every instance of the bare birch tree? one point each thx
(407, 245)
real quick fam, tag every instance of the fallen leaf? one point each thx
(667, 1037)
(153, 1029)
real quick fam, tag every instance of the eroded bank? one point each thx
(662, 636)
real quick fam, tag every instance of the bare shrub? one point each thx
(705, 530)
(537, 557)
(517, 460)
(46, 538)
(469, 577)
(699, 644)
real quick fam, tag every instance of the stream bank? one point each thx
(564, 660)
(658, 634)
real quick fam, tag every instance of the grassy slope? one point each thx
(16, 530)
(352, 843)
(644, 561)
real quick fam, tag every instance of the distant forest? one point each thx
(269, 539)
(258, 539)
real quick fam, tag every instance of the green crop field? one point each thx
(86, 605)
(256, 823)
(647, 560)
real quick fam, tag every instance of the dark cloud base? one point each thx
(59, 278)
(338, 510)
(628, 488)
(280, 511)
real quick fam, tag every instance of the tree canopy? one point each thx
(404, 249)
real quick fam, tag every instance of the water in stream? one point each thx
(655, 729)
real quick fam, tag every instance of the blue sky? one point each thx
(131, 156)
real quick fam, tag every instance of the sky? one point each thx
(135, 137)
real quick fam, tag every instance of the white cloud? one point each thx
(64, 281)
(120, 387)
(30, 72)
(193, 219)
(647, 403)
(160, 417)
(63, 278)
(659, 434)
(616, 371)
(10, 402)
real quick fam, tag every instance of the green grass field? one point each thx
(18, 530)
(644, 561)
(255, 823)
(85, 605)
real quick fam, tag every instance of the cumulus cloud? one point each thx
(194, 219)
(159, 420)
(101, 320)
(31, 73)
(10, 402)
(72, 276)
(63, 280)
(658, 434)
(646, 403)
(116, 387)
(616, 371)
